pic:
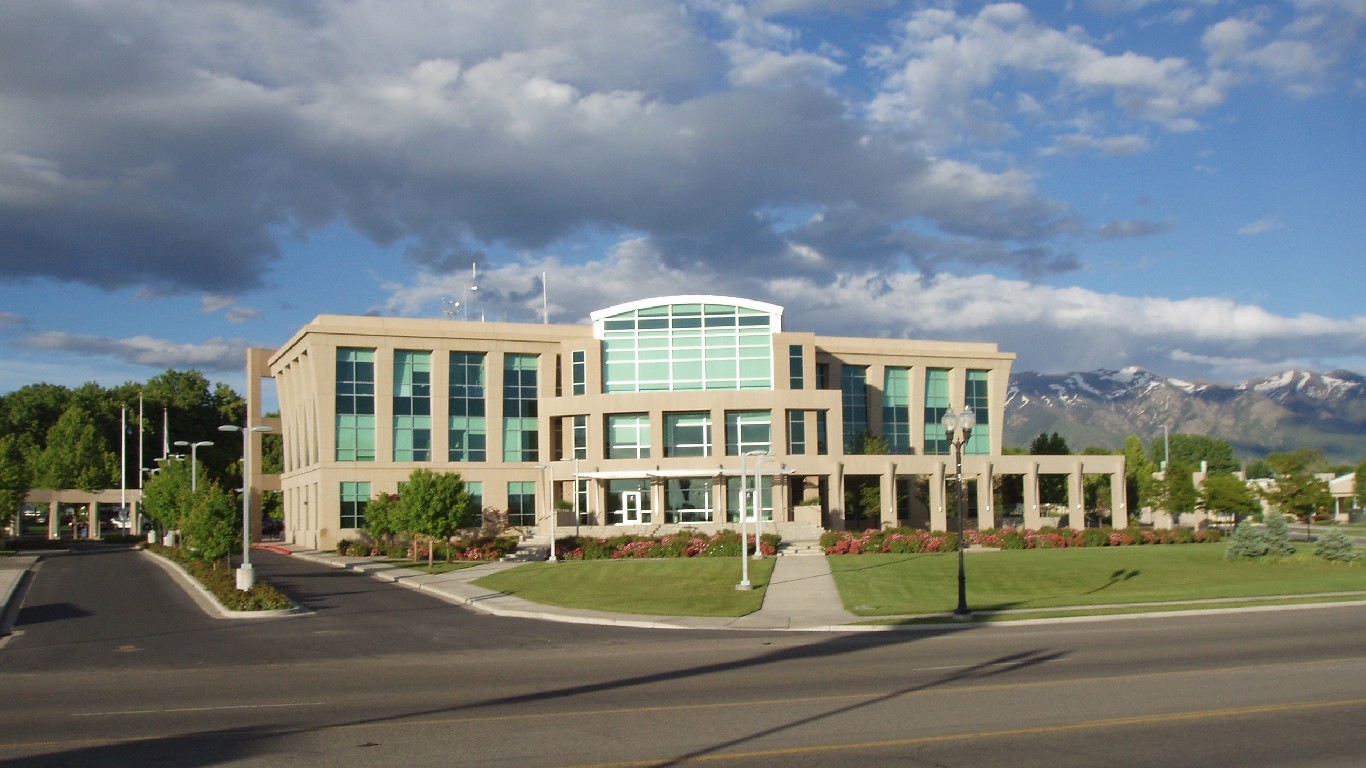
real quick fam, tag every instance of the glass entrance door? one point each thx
(631, 508)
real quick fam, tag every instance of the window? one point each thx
(896, 409)
(412, 406)
(520, 431)
(796, 433)
(579, 364)
(687, 434)
(936, 403)
(628, 436)
(354, 498)
(764, 499)
(796, 374)
(580, 437)
(673, 347)
(976, 397)
(475, 489)
(822, 444)
(688, 500)
(355, 404)
(468, 430)
(522, 504)
(854, 389)
(748, 431)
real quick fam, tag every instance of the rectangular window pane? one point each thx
(896, 409)
(936, 403)
(628, 436)
(467, 430)
(854, 391)
(354, 498)
(355, 405)
(977, 399)
(748, 431)
(412, 405)
(520, 429)
(687, 434)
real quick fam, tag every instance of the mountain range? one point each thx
(1294, 409)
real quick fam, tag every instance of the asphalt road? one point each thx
(111, 664)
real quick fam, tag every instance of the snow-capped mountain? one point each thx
(1276, 413)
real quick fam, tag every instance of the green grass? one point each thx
(662, 587)
(891, 585)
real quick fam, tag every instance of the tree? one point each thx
(1176, 492)
(381, 517)
(210, 523)
(1225, 493)
(15, 476)
(1193, 449)
(1299, 494)
(1360, 481)
(166, 495)
(1138, 474)
(1052, 488)
(435, 505)
(75, 455)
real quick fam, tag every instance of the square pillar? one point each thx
(939, 517)
(1031, 497)
(1076, 499)
(1119, 512)
(890, 518)
(986, 513)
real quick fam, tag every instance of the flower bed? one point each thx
(682, 544)
(913, 540)
(476, 549)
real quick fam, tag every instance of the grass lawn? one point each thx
(890, 585)
(702, 586)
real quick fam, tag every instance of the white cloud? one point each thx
(1049, 328)
(212, 355)
(1261, 226)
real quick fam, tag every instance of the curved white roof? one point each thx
(760, 306)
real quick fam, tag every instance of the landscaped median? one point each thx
(219, 582)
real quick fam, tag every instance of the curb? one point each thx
(206, 600)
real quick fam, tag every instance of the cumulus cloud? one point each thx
(212, 355)
(1201, 337)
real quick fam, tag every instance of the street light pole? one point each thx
(246, 576)
(759, 502)
(958, 427)
(550, 501)
(194, 460)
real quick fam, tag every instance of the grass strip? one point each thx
(439, 566)
(889, 585)
(653, 587)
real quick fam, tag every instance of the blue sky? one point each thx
(1091, 184)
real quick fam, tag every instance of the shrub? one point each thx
(1248, 541)
(1336, 546)
(1279, 532)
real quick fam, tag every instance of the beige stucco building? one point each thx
(644, 421)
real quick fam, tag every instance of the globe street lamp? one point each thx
(958, 428)
(194, 460)
(246, 576)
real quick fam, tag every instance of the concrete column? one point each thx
(92, 529)
(837, 500)
(54, 525)
(889, 510)
(939, 517)
(986, 513)
(1076, 498)
(1031, 497)
(1119, 513)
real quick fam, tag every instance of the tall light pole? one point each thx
(575, 459)
(194, 460)
(744, 543)
(246, 576)
(958, 427)
(759, 503)
(550, 502)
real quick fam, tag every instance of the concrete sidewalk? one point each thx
(801, 596)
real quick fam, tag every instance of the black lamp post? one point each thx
(958, 428)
